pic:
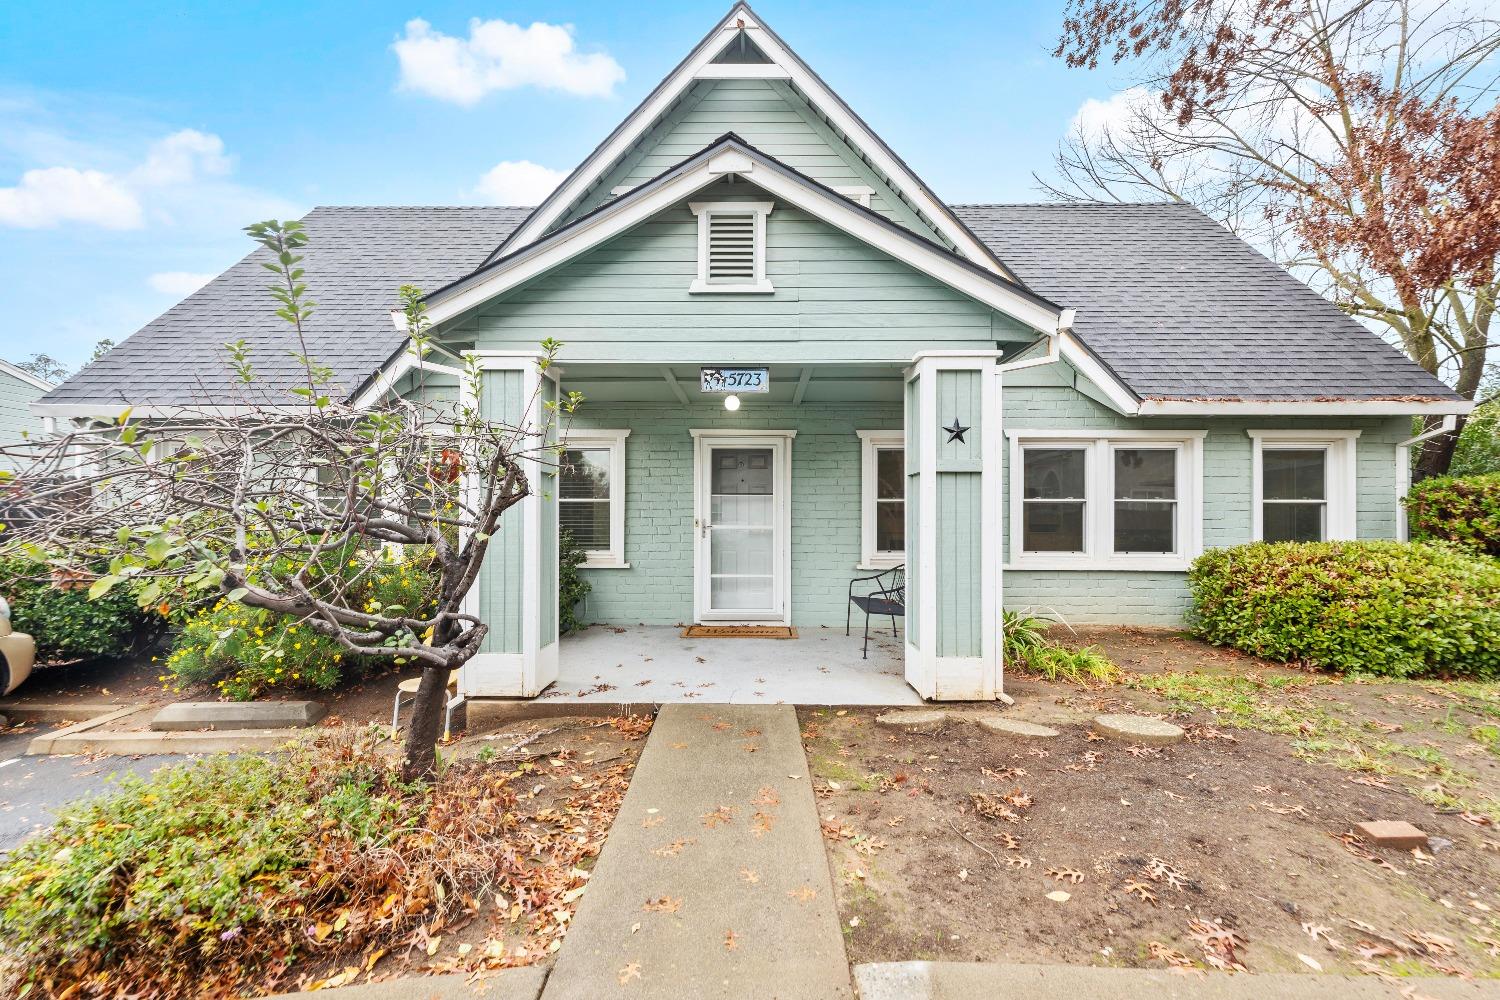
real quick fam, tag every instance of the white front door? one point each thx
(741, 527)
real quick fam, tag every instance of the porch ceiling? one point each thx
(790, 384)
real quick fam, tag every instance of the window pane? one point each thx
(1053, 527)
(1293, 473)
(1293, 522)
(587, 521)
(584, 473)
(890, 473)
(1145, 527)
(1145, 474)
(890, 526)
(1053, 473)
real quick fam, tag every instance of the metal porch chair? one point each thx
(887, 597)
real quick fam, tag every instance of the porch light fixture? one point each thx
(731, 403)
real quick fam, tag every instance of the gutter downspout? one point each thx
(1403, 470)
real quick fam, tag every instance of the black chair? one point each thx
(887, 597)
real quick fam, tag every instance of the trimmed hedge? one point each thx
(1394, 609)
(67, 625)
(1465, 510)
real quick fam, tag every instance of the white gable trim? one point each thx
(34, 381)
(837, 211)
(699, 65)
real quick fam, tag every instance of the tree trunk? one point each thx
(1437, 452)
(420, 760)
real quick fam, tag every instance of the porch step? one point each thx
(714, 880)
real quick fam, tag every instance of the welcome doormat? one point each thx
(739, 632)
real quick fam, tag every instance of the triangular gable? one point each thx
(741, 35)
(731, 156)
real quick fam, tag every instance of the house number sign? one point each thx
(734, 380)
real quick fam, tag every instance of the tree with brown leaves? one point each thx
(1355, 141)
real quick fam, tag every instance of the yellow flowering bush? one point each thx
(245, 651)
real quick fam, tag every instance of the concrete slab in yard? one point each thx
(506, 984)
(989, 981)
(146, 742)
(189, 716)
(56, 711)
(714, 881)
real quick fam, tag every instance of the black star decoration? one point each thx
(956, 432)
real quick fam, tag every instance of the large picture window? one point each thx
(1304, 485)
(883, 499)
(1125, 501)
(591, 495)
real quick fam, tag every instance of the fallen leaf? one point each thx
(1310, 962)
(1058, 896)
(629, 972)
(662, 904)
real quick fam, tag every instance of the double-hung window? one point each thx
(731, 246)
(591, 495)
(883, 499)
(1304, 485)
(1080, 500)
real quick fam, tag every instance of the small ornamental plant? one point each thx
(1393, 609)
(1460, 509)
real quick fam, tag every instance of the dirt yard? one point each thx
(1231, 848)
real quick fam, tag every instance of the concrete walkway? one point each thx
(713, 882)
(994, 981)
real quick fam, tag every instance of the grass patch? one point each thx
(1027, 647)
(830, 769)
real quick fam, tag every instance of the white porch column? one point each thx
(516, 593)
(953, 449)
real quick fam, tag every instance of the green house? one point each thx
(801, 365)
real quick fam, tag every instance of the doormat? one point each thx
(739, 632)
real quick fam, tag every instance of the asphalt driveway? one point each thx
(32, 788)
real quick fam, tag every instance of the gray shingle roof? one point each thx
(1181, 308)
(1177, 306)
(356, 259)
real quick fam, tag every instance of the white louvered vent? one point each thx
(731, 247)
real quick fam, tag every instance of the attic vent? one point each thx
(731, 246)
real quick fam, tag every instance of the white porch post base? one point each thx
(509, 675)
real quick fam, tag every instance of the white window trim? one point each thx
(858, 193)
(1099, 500)
(705, 210)
(1340, 469)
(614, 556)
(870, 442)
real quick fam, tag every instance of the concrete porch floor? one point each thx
(654, 663)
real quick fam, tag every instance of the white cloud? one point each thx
(182, 174)
(1114, 113)
(52, 195)
(518, 182)
(499, 55)
(178, 283)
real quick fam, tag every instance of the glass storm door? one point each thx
(740, 525)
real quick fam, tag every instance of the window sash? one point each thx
(612, 460)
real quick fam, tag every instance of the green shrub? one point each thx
(245, 651)
(1388, 608)
(1478, 449)
(571, 586)
(65, 623)
(1027, 647)
(1461, 509)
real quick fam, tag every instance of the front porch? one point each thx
(653, 663)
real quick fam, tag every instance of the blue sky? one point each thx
(136, 139)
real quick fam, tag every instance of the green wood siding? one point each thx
(769, 115)
(1162, 597)
(835, 299)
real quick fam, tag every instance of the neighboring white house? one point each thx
(18, 390)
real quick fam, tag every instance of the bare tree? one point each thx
(1355, 141)
(284, 501)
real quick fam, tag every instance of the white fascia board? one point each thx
(25, 376)
(819, 96)
(1303, 408)
(831, 208)
(1084, 362)
(393, 371)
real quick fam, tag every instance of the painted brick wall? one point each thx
(658, 587)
